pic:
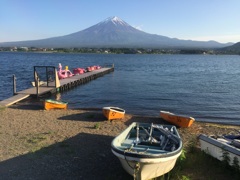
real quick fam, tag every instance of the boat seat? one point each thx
(128, 142)
(142, 148)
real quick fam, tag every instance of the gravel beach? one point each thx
(71, 144)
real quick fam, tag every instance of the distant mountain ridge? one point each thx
(114, 33)
(235, 48)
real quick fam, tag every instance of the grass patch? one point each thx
(97, 125)
(37, 141)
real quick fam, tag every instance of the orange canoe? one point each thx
(52, 104)
(113, 113)
(180, 121)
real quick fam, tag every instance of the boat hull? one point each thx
(177, 120)
(148, 168)
(51, 104)
(216, 148)
(145, 160)
(112, 113)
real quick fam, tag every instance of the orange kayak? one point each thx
(180, 121)
(113, 113)
(53, 104)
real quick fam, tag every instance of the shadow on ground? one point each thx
(92, 116)
(85, 156)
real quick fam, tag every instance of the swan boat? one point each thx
(78, 71)
(62, 74)
(181, 121)
(147, 150)
(113, 113)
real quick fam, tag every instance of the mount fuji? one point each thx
(114, 33)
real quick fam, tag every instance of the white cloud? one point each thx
(139, 27)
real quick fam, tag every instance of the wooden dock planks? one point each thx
(44, 89)
(13, 99)
(33, 91)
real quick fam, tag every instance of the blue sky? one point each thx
(184, 19)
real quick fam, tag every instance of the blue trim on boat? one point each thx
(137, 155)
(221, 145)
(148, 149)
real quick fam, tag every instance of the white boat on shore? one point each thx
(147, 150)
(218, 147)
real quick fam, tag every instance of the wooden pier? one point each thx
(64, 84)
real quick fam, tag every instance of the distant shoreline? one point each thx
(119, 51)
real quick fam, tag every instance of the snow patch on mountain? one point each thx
(115, 20)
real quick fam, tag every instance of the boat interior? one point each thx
(150, 139)
(117, 109)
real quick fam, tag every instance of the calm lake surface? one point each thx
(203, 86)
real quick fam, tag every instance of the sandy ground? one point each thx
(71, 144)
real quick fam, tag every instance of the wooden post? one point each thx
(47, 74)
(37, 86)
(36, 79)
(14, 85)
(57, 82)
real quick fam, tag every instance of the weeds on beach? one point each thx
(199, 164)
(196, 164)
(37, 141)
(97, 126)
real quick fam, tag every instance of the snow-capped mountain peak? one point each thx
(115, 20)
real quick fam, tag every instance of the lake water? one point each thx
(203, 86)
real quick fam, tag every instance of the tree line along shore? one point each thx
(122, 50)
